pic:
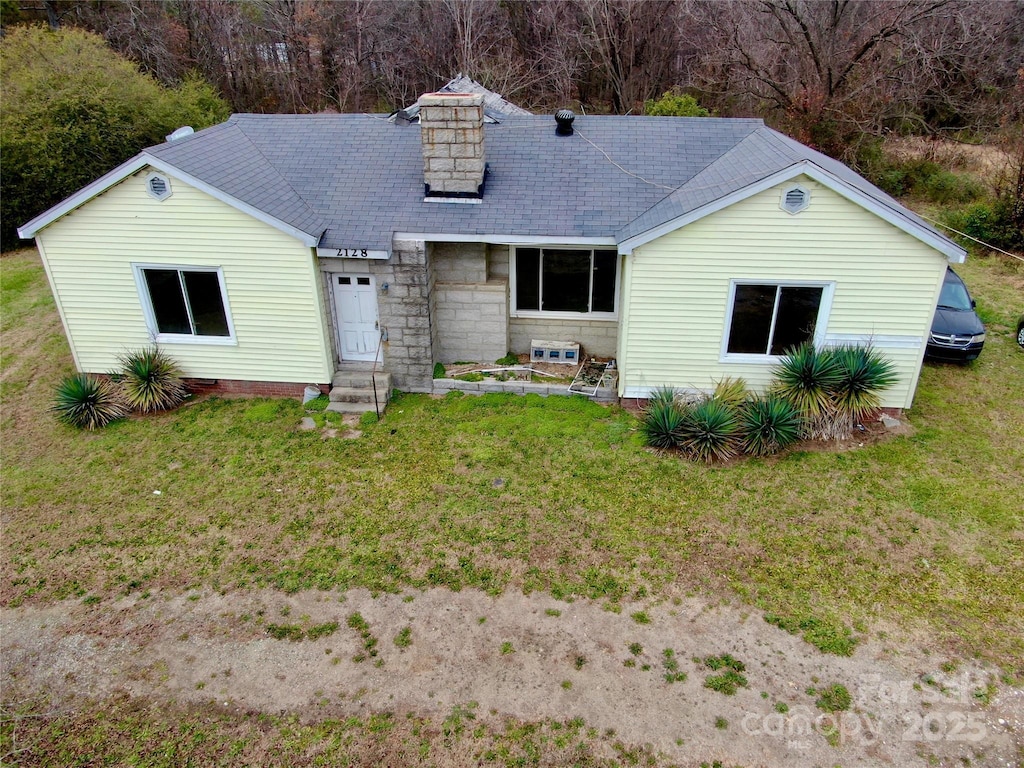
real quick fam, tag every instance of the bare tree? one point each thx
(632, 44)
(827, 69)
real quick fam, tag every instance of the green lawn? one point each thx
(921, 533)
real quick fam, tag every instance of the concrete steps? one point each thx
(352, 391)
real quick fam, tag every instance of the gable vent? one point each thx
(158, 186)
(795, 199)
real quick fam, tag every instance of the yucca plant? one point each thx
(769, 424)
(731, 391)
(710, 430)
(660, 395)
(863, 375)
(661, 422)
(151, 380)
(806, 377)
(86, 402)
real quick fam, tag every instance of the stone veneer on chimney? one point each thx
(452, 134)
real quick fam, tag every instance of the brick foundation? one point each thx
(252, 388)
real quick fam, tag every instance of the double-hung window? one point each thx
(185, 303)
(570, 280)
(768, 319)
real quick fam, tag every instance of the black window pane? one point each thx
(794, 324)
(207, 305)
(167, 300)
(604, 281)
(751, 319)
(566, 281)
(527, 278)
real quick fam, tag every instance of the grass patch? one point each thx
(641, 617)
(134, 731)
(927, 524)
(404, 637)
(296, 633)
(730, 678)
(671, 666)
(825, 636)
(832, 698)
(292, 632)
(362, 626)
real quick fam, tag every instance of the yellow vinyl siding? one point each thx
(886, 286)
(270, 279)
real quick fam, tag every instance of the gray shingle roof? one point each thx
(358, 179)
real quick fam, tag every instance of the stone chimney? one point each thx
(452, 134)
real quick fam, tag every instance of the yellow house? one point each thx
(276, 251)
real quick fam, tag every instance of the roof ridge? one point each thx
(689, 186)
(309, 209)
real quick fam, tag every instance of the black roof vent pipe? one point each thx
(564, 118)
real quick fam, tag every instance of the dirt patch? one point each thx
(527, 657)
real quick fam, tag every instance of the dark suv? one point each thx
(957, 332)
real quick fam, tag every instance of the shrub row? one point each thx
(148, 380)
(820, 394)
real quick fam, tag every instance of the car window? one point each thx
(954, 294)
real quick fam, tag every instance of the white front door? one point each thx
(355, 307)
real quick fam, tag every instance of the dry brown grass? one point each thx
(987, 162)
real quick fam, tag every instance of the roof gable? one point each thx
(246, 182)
(759, 162)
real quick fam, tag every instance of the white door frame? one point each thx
(367, 340)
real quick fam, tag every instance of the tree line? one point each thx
(825, 71)
(88, 83)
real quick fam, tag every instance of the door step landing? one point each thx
(352, 391)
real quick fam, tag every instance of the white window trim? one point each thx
(165, 179)
(182, 338)
(514, 311)
(820, 325)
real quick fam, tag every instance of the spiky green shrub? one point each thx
(151, 380)
(863, 375)
(731, 391)
(769, 424)
(807, 377)
(710, 431)
(661, 422)
(86, 402)
(662, 395)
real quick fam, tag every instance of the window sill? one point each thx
(750, 359)
(576, 316)
(184, 338)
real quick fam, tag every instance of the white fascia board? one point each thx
(627, 246)
(82, 196)
(447, 237)
(307, 239)
(940, 243)
(137, 163)
(943, 245)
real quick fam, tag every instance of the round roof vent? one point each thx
(564, 118)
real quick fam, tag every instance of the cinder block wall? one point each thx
(598, 337)
(470, 313)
